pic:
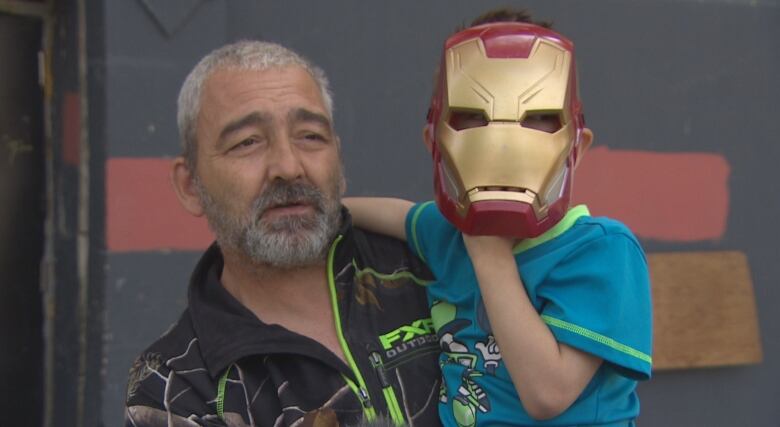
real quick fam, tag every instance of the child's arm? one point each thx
(381, 215)
(548, 375)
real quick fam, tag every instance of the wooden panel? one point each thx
(704, 311)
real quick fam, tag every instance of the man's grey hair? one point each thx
(242, 55)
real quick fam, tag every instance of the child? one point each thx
(565, 296)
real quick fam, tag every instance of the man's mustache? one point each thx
(284, 193)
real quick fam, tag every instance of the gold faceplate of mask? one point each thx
(528, 162)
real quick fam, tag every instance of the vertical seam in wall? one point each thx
(47, 284)
(82, 236)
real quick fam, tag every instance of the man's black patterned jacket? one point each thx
(220, 365)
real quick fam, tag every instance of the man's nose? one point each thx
(285, 162)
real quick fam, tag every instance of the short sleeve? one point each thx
(598, 300)
(420, 222)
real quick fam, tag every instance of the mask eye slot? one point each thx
(545, 121)
(466, 119)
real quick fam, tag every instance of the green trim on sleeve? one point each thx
(221, 393)
(595, 336)
(415, 217)
(360, 388)
(392, 276)
(561, 227)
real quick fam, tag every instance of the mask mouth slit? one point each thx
(501, 192)
(499, 188)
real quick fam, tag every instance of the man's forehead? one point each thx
(232, 84)
(276, 90)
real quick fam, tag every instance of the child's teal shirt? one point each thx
(588, 279)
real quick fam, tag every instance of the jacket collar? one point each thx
(228, 331)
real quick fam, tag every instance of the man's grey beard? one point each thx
(287, 242)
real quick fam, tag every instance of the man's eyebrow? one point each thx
(251, 119)
(304, 115)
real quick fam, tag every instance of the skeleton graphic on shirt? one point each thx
(470, 399)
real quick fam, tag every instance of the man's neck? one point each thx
(295, 298)
(266, 289)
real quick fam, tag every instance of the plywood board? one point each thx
(704, 311)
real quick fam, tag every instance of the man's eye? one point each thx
(248, 142)
(314, 137)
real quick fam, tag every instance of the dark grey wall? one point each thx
(22, 215)
(696, 75)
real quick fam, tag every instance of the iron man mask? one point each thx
(505, 123)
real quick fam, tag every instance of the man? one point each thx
(294, 317)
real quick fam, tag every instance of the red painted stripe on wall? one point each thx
(143, 212)
(676, 197)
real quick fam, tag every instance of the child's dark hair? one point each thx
(507, 14)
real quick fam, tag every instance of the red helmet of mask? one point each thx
(505, 124)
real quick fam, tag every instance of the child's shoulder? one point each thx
(426, 218)
(603, 224)
(595, 227)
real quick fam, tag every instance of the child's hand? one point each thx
(488, 248)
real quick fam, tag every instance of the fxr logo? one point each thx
(417, 328)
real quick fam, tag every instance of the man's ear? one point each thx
(342, 183)
(586, 139)
(183, 183)
(343, 180)
(338, 143)
(428, 137)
